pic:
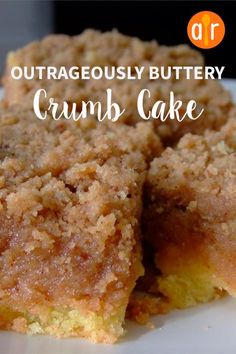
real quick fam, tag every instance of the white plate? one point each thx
(207, 329)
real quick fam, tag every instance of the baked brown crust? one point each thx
(190, 217)
(93, 48)
(70, 203)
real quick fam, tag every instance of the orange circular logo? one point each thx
(206, 29)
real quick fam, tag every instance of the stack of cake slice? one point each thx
(74, 196)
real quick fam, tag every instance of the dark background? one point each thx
(165, 21)
(22, 21)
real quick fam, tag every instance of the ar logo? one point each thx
(206, 29)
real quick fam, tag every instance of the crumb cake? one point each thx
(190, 218)
(93, 48)
(70, 203)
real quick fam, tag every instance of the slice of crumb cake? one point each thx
(93, 48)
(70, 203)
(190, 218)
